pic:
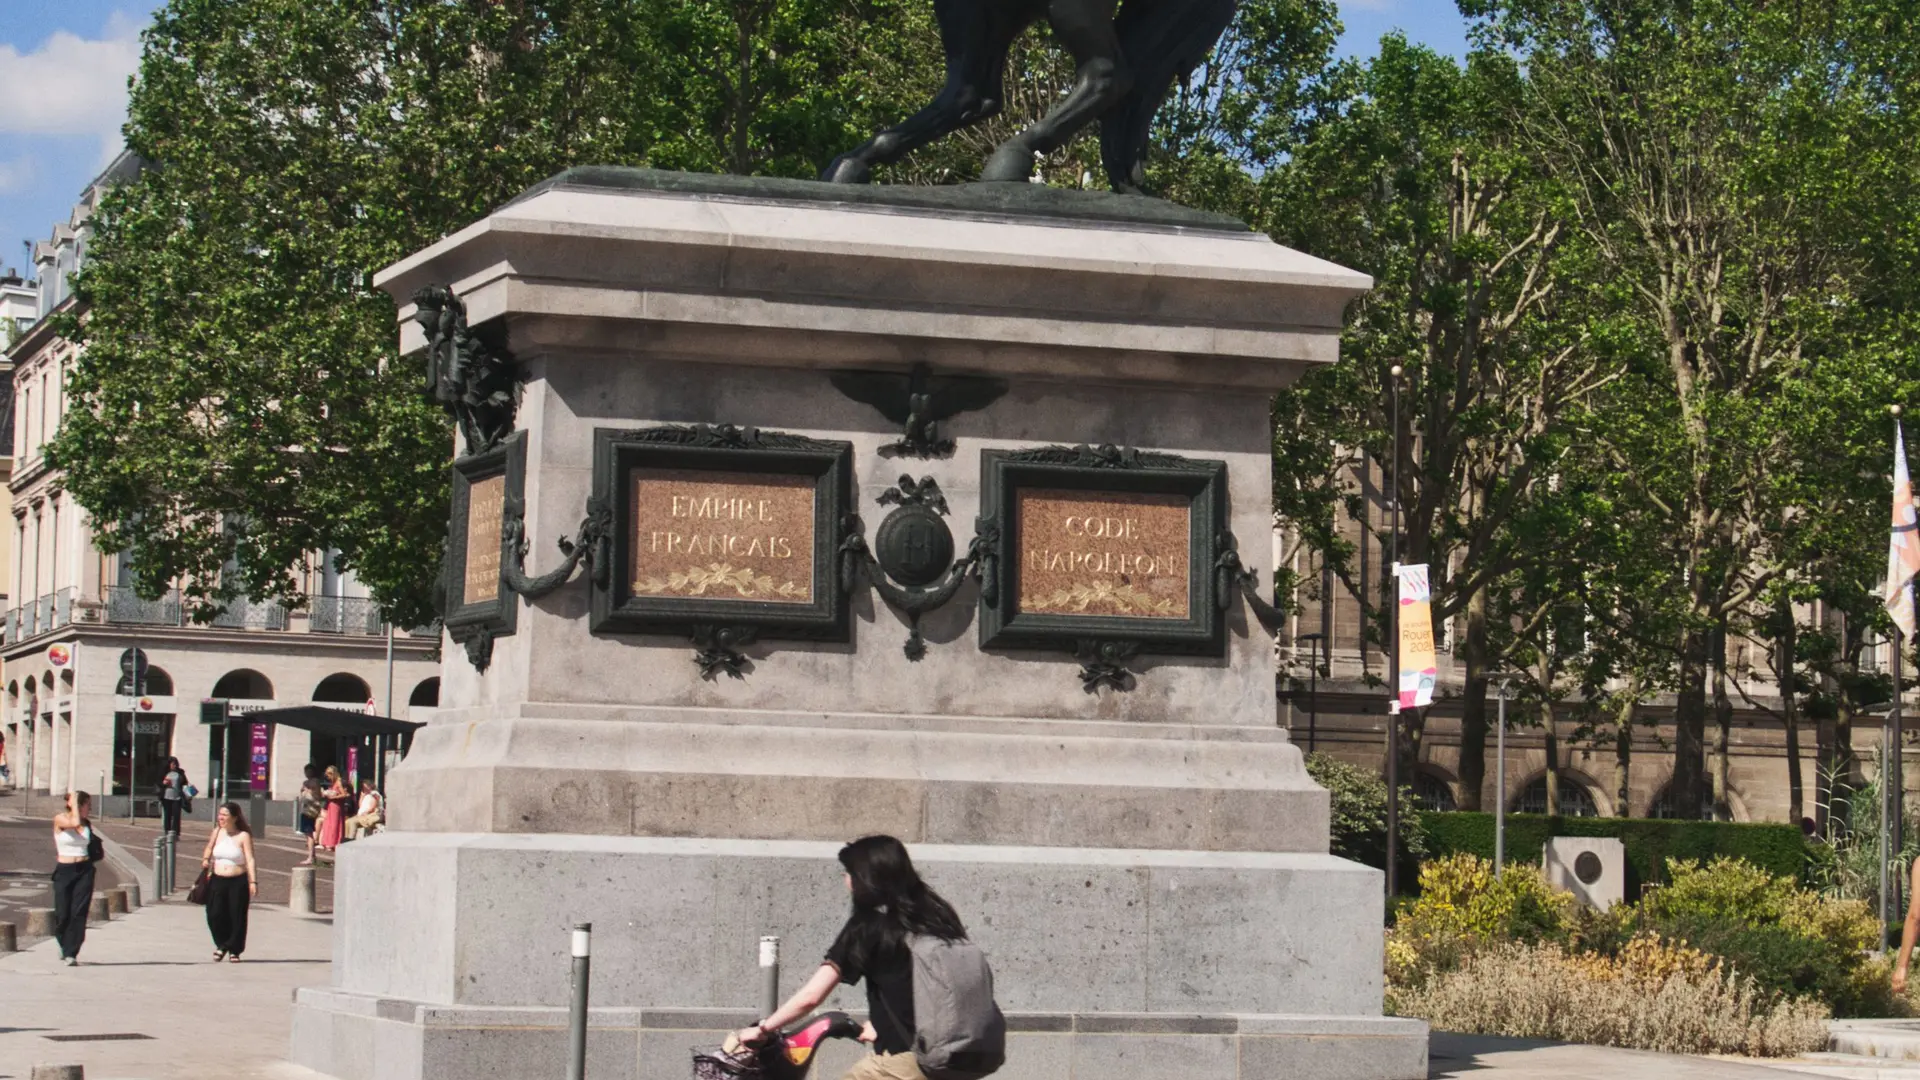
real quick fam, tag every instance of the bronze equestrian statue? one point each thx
(1125, 67)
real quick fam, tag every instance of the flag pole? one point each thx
(1393, 669)
(1895, 758)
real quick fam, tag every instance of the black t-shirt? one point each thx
(868, 948)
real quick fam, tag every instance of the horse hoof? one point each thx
(1009, 164)
(847, 169)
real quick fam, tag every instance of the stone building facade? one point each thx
(78, 711)
(1343, 711)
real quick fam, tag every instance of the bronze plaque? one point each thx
(1103, 553)
(486, 499)
(723, 535)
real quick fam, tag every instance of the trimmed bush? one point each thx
(1358, 808)
(1778, 849)
(1788, 939)
(1463, 909)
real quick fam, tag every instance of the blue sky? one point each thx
(64, 66)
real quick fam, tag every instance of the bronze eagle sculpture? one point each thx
(1125, 65)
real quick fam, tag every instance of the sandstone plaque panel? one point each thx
(1103, 553)
(735, 536)
(722, 527)
(1105, 545)
(486, 509)
(485, 486)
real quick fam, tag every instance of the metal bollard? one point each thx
(577, 1015)
(769, 976)
(173, 857)
(160, 866)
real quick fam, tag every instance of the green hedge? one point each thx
(1777, 848)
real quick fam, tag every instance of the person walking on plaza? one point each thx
(370, 813)
(898, 922)
(75, 849)
(173, 796)
(312, 803)
(333, 823)
(231, 889)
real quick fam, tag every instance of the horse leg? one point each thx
(1102, 77)
(1164, 41)
(977, 35)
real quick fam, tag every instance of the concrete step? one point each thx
(1889, 1040)
(1847, 1067)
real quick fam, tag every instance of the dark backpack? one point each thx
(959, 1033)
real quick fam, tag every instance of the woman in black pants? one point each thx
(229, 854)
(73, 877)
(173, 796)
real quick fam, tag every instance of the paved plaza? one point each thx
(146, 978)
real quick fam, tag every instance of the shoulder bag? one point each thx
(198, 894)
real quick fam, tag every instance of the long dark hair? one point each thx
(239, 819)
(886, 886)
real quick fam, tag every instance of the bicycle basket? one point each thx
(724, 1066)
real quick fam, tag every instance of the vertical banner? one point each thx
(1419, 669)
(353, 768)
(262, 749)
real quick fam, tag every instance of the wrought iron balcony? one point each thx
(346, 615)
(252, 615)
(125, 607)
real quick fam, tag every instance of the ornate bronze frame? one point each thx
(719, 627)
(1104, 643)
(475, 626)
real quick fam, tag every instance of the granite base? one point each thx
(362, 1037)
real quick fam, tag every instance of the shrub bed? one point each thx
(1725, 958)
(1656, 996)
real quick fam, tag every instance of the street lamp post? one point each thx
(1313, 686)
(1500, 783)
(1393, 668)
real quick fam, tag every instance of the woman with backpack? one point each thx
(902, 932)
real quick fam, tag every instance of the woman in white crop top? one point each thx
(73, 877)
(231, 886)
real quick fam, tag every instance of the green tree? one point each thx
(1413, 178)
(1721, 157)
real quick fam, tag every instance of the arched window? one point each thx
(1575, 799)
(427, 694)
(1663, 804)
(157, 683)
(244, 684)
(342, 687)
(1433, 793)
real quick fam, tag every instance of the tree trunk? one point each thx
(1473, 707)
(1722, 727)
(1548, 725)
(1790, 717)
(1623, 752)
(1690, 728)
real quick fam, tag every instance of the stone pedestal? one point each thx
(1147, 867)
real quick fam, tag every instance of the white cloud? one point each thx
(72, 85)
